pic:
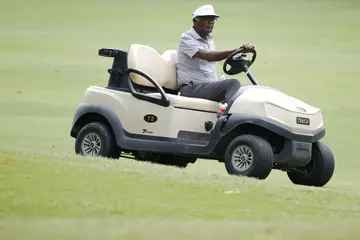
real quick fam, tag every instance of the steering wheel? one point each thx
(239, 64)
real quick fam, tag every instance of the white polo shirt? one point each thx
(194, 69)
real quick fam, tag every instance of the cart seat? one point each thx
(162, 69)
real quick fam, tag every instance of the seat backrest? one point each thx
(161, 68)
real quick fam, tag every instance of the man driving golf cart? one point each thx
(197, 57)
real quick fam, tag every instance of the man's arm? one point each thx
(194, 50)
(219, 55)
(215, 55)
(191, 48)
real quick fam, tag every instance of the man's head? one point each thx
(204, 18)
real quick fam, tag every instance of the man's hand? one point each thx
(247, 46)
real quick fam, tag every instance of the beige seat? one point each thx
(162, 69)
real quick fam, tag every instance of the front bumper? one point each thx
(294, 154)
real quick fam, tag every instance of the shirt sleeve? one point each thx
(189, 45)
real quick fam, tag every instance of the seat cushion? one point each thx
(161, 68)
(170, 81)
(190, 103)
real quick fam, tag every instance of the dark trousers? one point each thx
(219, 91)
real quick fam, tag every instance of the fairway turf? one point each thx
(48, 57)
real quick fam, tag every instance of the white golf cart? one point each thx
(140, 114)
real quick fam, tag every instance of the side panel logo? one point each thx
(147, 131)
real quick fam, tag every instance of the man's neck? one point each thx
(205, 37)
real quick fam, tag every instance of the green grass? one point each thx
(48, 194)
(48, 57)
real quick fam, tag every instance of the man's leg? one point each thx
(216, 91)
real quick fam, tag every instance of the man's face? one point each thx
(205, 24)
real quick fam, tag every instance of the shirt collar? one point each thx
(197, 36)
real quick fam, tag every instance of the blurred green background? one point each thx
(48, 57)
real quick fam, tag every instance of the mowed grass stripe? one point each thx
(155, 228)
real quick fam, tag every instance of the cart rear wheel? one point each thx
(96, 139)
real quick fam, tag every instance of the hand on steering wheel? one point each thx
(247, 46)
(234, 62)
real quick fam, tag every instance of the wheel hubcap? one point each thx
(242, 158)
(91, 144)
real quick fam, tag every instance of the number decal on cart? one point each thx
(150, 118)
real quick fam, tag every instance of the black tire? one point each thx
(320, 169)
(104, 135)
(262, 157)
